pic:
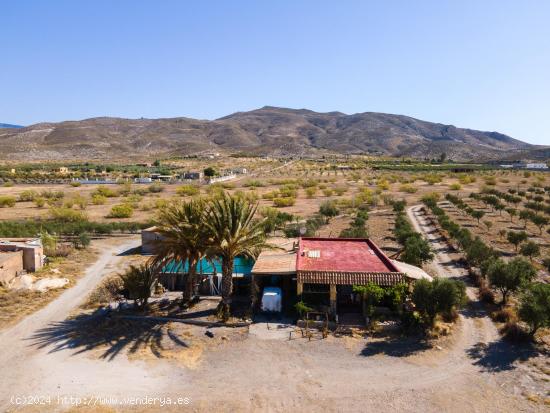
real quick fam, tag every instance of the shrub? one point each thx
(62, 250)
(98, 199)
(486, 294)
(107, 292)
(455, 187)
(52, 195)
(139, 282)
(39, 202)
(188, 190)
(410, 189)
(340, 190)
(7, 201)
(372, 294)
(82, 241)
(411, 322)
(75, 184)
(67, 215)
(27, 196)
(49, 242)
(432, 179)
(270, 195)
(328, 209)
(253, 183)
(310, 192)
(383, 185)
(284, 202)
(302, 308)
(504, 315)
(399, 206)
(155, 188)
(105, 192)
(78, 200)
(513, 332)
(121, 211)
(126, 188)
(7, 184)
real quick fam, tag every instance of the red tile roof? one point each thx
(342, 255)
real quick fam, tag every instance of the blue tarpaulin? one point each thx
(241, 265)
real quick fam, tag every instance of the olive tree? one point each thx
(516, 238)
(509, 277)
(416, 251)
(439, 296)
(530, 249)
(534, 306)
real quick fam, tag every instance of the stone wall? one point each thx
(11, 264)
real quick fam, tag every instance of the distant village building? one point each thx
(237, 171)
(163, 178)
(193, 175)
(63, 170)
(143, 180)
(536, 166)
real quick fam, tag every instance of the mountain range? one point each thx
(9, 125)
(266, 131)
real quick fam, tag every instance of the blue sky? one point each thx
(477, 64)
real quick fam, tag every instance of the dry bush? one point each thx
(7, 201)
(513, 332)
(284, 202)
(486, 294)
(61, 251)
(410, 189)
(107, 292)
(505, 315)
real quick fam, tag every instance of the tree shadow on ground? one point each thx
(500, 355)
(112, 335)
(397, 346)
(474, 309)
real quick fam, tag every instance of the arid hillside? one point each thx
(269, 131)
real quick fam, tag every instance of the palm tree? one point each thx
(235, 232)
(183, 237)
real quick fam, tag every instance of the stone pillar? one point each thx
(333, 299)
(299, 289)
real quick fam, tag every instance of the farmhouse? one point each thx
(323, 272)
